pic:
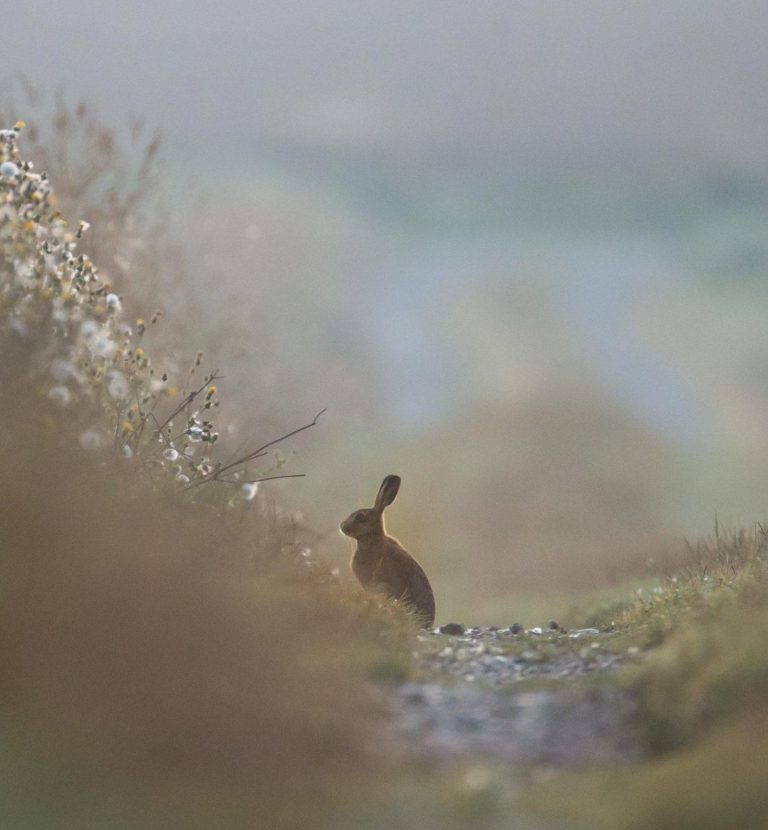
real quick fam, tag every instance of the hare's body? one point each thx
(385, 565)
(381, 563)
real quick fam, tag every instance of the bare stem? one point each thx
(218, 471)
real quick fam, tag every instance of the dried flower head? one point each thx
(248, 490)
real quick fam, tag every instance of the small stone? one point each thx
(454, 629)
(411, 693)
(516, 628)
(583, 632)
(537, 630)
(8, 169)
(553, 625)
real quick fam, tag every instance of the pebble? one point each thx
(481, 656)
(452, 628)
(516, 628)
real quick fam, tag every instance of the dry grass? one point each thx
(702, 690)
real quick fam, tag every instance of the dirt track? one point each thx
(527, 698)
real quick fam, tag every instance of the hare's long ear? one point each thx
(387, 492)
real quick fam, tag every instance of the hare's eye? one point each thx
(359, 516)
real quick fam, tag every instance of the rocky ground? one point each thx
(525, 696)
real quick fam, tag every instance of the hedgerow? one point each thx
(80, 350)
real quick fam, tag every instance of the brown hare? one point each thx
(381, 563)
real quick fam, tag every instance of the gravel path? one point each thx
(516, 697)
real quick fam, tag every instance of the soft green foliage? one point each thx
(457, 796)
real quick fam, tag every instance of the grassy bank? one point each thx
(702, 686)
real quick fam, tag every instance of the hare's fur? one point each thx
(381, 563)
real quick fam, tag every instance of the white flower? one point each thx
(113, 302)
(195, 433)
(61, 369)
(8, 169)
(117, 385)
(127, 451)
(89, 330)
(104, 346)
(91, 440)
(171, 454)
(249, 490)
(60, 395)
(182, 479)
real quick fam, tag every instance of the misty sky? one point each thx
(591, 85)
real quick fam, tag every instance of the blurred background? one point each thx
(517, 249)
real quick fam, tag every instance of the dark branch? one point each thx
(217, 473)
(258, 453)
(254, 480)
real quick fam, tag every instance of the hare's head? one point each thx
(370, 520)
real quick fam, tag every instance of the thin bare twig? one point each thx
(219, 470)
(255, 480)
(258, 453)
